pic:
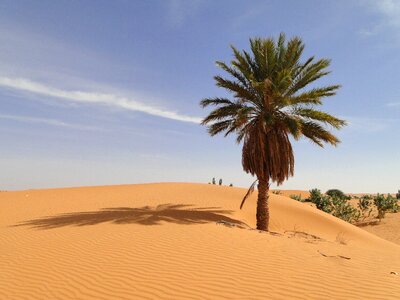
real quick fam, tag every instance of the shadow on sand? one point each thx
(173, 213)
(368, 223)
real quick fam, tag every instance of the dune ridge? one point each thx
(183, 241)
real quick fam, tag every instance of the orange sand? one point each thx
(388, 228)
(161, 241)
(288, 193)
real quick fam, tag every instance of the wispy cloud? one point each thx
(371, 125)
(250, 14)
(178, 11)
(52, 122)
(117, 101)
(369, 32)
(389, 11)
(393, 104)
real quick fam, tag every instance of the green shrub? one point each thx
(336, 204)
(335, 193)
(213, 180)
(297, 198)
(277, 192)
(220, 181)
(365, 206)
(398, 194)
(314, 195)
(344, 210)
(338, 207)
(393, 204)
(384, 204)
(322, 202)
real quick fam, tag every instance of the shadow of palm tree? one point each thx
(173, 213)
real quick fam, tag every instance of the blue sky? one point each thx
(107, 92)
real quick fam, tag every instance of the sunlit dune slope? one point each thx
(183, 241)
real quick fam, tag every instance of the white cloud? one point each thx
(369, 32)
(389, 11)
(26, 85)
(52, 122)
(250, 14)
(178, 11)
(372, 125)
(393, 104)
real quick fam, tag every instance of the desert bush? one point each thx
(321, 201)
(398, 194)
(314, 195)
(338, 207)
(220, 181)
(231, 185)
(335, 193)
(277, 192)
(393, 204)
(365, 206)
(297, 198)
(384, 204)
(344, 210)
(380, 204)
(213, 180)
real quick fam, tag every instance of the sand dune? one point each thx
(288, 193)
(171, 241)
(388, 228)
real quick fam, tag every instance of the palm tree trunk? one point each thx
(263, 205)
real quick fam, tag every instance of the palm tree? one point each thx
(271, 104)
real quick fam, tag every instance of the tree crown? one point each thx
(271, 102)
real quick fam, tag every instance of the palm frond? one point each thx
(240, 91)
(317, 134)
(241, 64)
(316, 115)
(215, 101)
(224, 112)
(235, 73)
(281, 49)
(249, 192)
(293, 124)
(218, 127)
(293, 53)
(270, 50)
(308, 75)
(313, 96)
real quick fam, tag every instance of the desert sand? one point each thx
(388, 228)
(183, 241)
